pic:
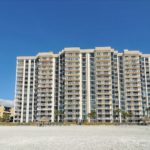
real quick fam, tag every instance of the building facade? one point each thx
(6, 109)
(77, 84)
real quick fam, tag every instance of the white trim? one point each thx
(118, 72)
(124, 80)
(28, 91)
(88, 83)
(22, 108)
(33, 92)
(59, 86)
(80, 55)
(53, 92)
(145, 83)
(147, 92)
(15, 91)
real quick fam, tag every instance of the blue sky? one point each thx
(30, 26)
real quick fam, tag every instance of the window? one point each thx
(84, 55)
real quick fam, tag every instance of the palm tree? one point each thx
(124, 115)
(92, 115)
(1, 119)
(117, 113)
(147, 111)
(58, 113)
(129, 114)
(146, 118)
(6, 117)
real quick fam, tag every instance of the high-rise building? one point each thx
(83, 84)
(45, 86)
(25, 89)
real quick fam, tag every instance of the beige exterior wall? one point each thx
(3, 111)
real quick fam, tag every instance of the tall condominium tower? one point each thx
(45, 86)
(71, 84)
(83, 84)
(25, 89)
